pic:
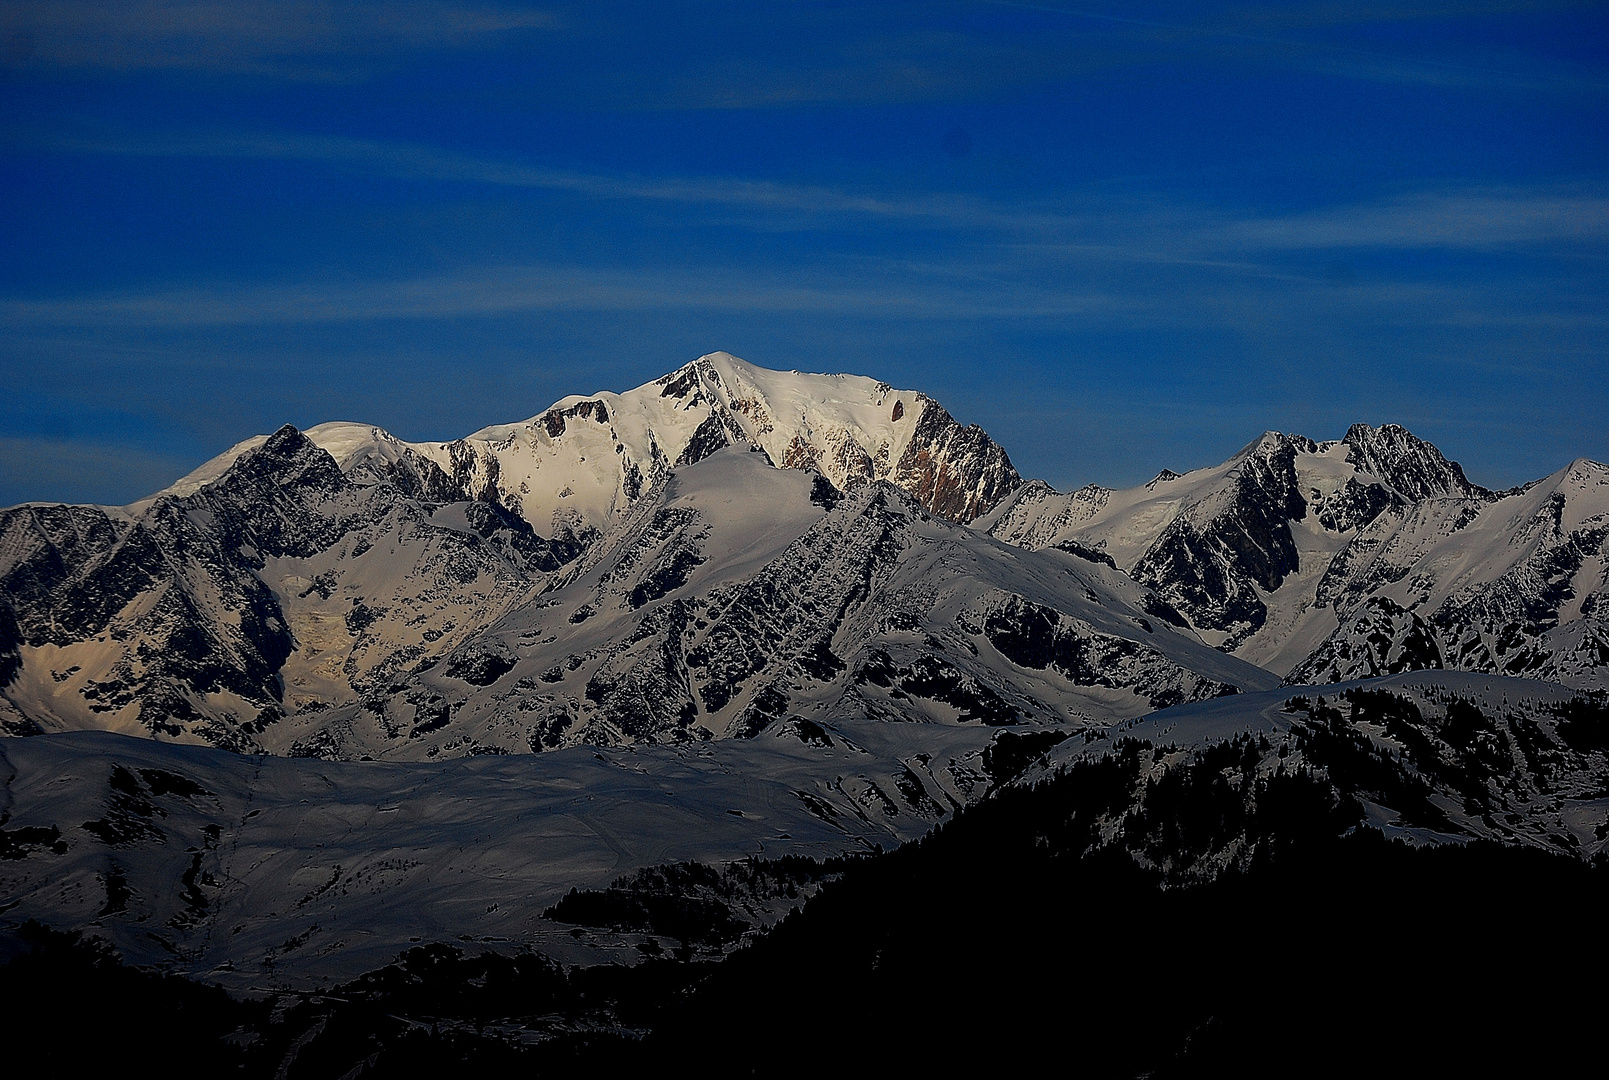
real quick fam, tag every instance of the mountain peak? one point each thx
(285, 442)
(1273, 444)
(1414, 467)
(575, 466)
(1583, 468)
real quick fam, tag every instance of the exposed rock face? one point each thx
(1032, 636)
(957, 473)
(1366, 556)
(1212, 560)
(1037, 516)
(1509, 583)
(179, 585)
(1380, 638)
(1354, 506)
(181, 622)
(1409, 466)
(1384, 550)
(1211, 545)
(10, 646)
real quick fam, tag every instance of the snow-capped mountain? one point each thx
(570, 469)
(636, 567)
(288, 608)
(729, 613)
(357, 598)
(1366, 556)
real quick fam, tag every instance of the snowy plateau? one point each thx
(335, 694)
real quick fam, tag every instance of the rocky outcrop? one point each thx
(1510, 584)
(956, 472)
(1381, 638)
(1035, 637)
(1209, 563)
(1375, 553)
(177, 621)
(1410, 466)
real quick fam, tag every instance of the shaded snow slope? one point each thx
(263, 872)
(741, 595)
(1427, 757)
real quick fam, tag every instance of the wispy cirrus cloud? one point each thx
(1048, 287)
(1452, 219)
(1094, 222)
(520, 289)
(1085, 257)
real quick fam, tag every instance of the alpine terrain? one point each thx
(644, 672)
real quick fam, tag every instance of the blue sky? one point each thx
(1119, 237)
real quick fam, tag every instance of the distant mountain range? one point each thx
(728, 546)
(389, 692)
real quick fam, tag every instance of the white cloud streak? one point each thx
(877, 290)
(1457, 220)
(534, 289)
(1126, 229)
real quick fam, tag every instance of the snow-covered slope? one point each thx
(740, 595)
(1514, 583)
(1297, 555)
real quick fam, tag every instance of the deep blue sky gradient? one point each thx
(1120, 237)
